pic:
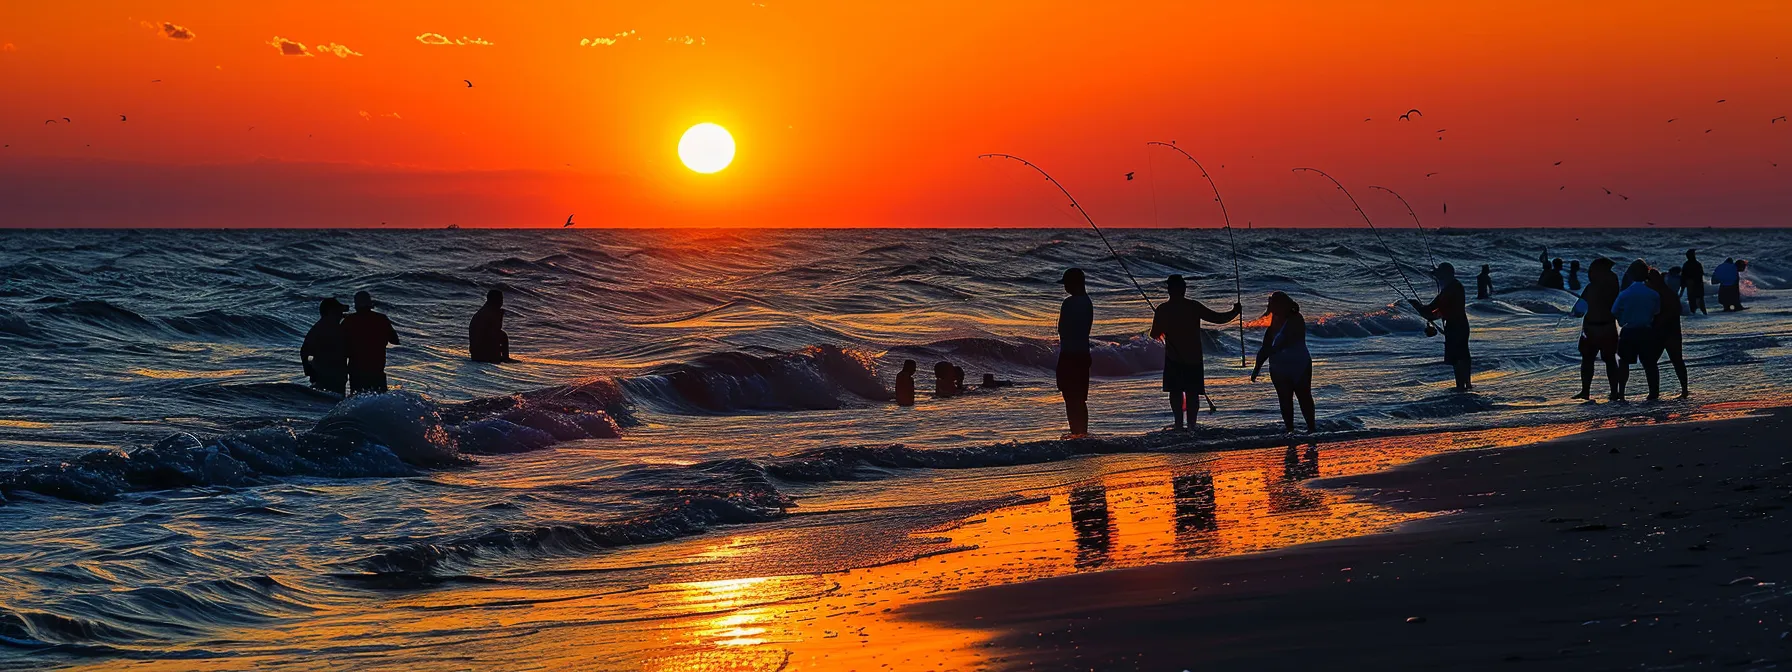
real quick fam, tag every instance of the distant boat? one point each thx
(452, 227)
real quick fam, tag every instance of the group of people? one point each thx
(948, 382)
(345, 352)
(1625, 322)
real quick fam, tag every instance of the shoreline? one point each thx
(1562, 553)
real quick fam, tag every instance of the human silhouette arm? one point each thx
(391, 333)
(1269, 347)
(1157, 323)
(1208, 314)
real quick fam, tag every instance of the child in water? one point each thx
(905, 384)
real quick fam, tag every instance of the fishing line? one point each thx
(1424, 238)
(1237, 278)
(1432, 326)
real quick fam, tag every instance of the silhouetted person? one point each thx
(942, 381)
(1574, 275)
(958, 380)
(1638, 271)
(1484, 283)
(368, 333)
(1551, 276)
(1635, 310)
(1451, 306)
(1094, 528)
(1728, 278)
(905, 384)
(1692, 280)
(1667, 329)
(486, 340)
(1178, 323)
(325, 352)
(1598, 329)
(1076, 316)
(1290, 365)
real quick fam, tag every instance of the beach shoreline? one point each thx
(1635, 546)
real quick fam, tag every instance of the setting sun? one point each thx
(706, 148)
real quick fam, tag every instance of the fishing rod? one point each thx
(1091, 221)
(1086, 218)
(1424, 238)
(1431, 326)
(1237, 279)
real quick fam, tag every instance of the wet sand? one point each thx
(1650, 546)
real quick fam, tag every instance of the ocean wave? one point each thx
(1384, 322)
(816, 378)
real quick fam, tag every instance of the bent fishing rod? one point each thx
(1384, 246)
(1091, 221)
(1424, 238)
(1237, 279)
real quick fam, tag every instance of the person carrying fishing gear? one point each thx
(1451, 306)
(1178, 322)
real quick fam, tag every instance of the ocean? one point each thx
(692, 409)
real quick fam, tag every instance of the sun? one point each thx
(706, 148)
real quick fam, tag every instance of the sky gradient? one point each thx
(323, 113)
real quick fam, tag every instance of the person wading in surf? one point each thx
(325, 352)
(1178, 323)
(1451, 306)
(1076, 317)
(905, 384)
(1668, 338)
(1484, 283)
(1635, 309)
(486, 339)
(368, 333)
(1692, 274)
(1290, 365)
(1598, 329)
(1551, 277)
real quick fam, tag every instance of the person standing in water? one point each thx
(368, 333)
(1668, 338)
(1574, 275)
(486, 340)
(1635, 310)
(1484, 283)
(1598, 329)
(1728, 277)
(1290, 365)
(1451, 306)
(325, 352)
(905, 384)
(1178, 323)
(1692, 274)
(1076, 317)
(1638, 271)
(1551, 276)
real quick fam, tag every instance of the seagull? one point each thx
(68, 120)
(1442, 130)
(1129, 177)
(1623, 197)
(1409, 113)
(568, 221)
(1558, 163)
(469, 83)
(1563, 187)
(121, 118)
(154, 81)
(1777, 119)
(49, 121)
(1651, 223)
(1367, 119)
(1429, 174)
(1707, 130)
(1608, 192)
(1720, 100)
(1672, 120)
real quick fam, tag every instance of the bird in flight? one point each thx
(1129, 177)
(1672, 120)
(1623, 197)
(1651, 223)
(49, 121)
(1608, 192)
(1720, 100)
(68, 120)
(1707, 130)
(1442, 130)
(1409, 113)
(1429, 174)
(1446, 208)
(154, 81)
(469, 83)
(121, 118)
(1777, 119)
(1558, 163)
(1367, 119)
(568, 221)
(1561, 188)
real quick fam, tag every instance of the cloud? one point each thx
(170, 30)
(288, 47)
(607, 41)
(340, 50)
(686, 39)
(438, 39)
(387, 115)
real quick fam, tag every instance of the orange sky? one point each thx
(861, 113)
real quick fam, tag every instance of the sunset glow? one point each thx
(706, 148)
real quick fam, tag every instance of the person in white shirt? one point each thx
(1635, 310)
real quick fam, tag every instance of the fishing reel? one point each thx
(1430, 330)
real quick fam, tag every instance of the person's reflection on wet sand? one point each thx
(1286, 494)
(1197, 512)
(1094, 529)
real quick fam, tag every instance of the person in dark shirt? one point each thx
(942, 381)
(1692, 274)
(905, 384)
(1178, 323)
(1599, 329)
(368, 333)
(1484, 283)
(1076, 317)
(1290, 364)
(1551, 277)
(325, 352)
(1451, 306)
(1667, 328)
(1574, 275)
(486, 339)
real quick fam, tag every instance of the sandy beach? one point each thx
(1652, 547)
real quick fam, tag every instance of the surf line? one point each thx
(1430, 326)
(1104, 237)
(1237, 279)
